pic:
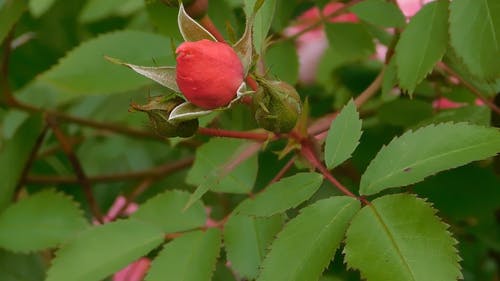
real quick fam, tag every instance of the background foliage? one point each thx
(413, 130)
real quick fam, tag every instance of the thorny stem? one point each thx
(154, 173)
(77, 167)
(283, 171)
(470, 87)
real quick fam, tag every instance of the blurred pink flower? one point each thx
(134, 271)
(444, 103)
(411, 7)
(312, 44)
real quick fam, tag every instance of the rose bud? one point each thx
(208, 73)
(277, 106)
(158, 110)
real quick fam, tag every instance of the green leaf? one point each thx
(426, 151)
(84, 71)
(164, 19)
(190, 257)
(14, 153)
(343, 136)
(103, 250)
(422, 44)
(477, 115)
(190, 29)
(475, 35)
(166, 212)
(406, 242)
(404, 112)
(40, 221)
(349, 41)
(287, 193)
(39, 7)
(247, 239)
(308, 242)
(10, 12)
(379, 12)
(283, 62)
(19, 267)
(216, 159)
(263, 20)
(95, 10)
(164, 75)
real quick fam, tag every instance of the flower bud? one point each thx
(208, 73)
(277, 106)
(158, 110)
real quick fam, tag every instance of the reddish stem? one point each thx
(208, 24)
(283, 171)
(309, 154)
(235, 134)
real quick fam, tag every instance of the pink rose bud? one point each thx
(208, 73)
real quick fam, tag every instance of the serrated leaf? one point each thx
(84, 71)
(40, 221)
(39, 7)
(14, 153)
(166, 211)
(477, 115)
(164, 75)
(422, 44)
(102, 250)
(244, 46)
(10, 12)
(263, 19)
(287, 193)
(379, 12)
(343, 136)
(426, 151)
(308, 242)
(190, 29)
(214, 163)
(20, 267)
(247, 239)
(475, 35)
(407, 242)
(187, 111)
(283, 61)
(191, 257)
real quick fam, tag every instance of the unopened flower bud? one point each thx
(158, 110)
(277, 106)
(208, 73)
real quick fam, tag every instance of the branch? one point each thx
(154, 173)
(31, 159)
(470, 87)
(236, 134)
(77, 167)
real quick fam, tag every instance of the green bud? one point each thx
(277, 106)
(158, 110)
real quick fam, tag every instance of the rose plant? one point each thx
(274, 140)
